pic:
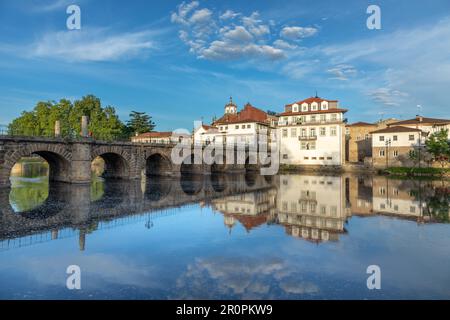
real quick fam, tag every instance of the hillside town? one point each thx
(314, 132)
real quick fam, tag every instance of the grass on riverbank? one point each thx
(427, 171)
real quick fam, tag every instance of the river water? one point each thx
(225, 237)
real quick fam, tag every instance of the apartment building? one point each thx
(312, 132)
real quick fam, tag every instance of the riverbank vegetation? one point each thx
(104, 123)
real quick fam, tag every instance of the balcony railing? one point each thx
(327, 121)
(303, 138)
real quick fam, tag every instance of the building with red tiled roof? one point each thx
(312, 133)
(236, 126)
(394, 145)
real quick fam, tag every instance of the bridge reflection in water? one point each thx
(314, 208)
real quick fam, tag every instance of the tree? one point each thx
(438, 146)
(140, 123)
(103, 121)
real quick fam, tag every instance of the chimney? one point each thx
(419, 118)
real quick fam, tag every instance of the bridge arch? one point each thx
(57, 157)
(157, 164)
(118, 162)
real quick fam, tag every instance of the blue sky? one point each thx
(180, 61)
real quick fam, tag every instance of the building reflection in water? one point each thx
(310, 207)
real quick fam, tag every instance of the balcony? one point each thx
(307, 138)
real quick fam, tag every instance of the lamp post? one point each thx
(388, 144)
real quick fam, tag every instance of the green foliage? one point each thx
(416, 171)
(438, 146)
(104, 124)
(140, 122)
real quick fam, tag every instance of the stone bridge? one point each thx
(70, 160)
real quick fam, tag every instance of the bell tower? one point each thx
(230, 107)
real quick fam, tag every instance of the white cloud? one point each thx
(224, 50)
(48, 5)
(343, 72)
(388, 96)
(91, 45)
(229, 14)
(238, 34)
(221, 39)
(297, 33)
(183, 11)
(201, 16)
(281, 44)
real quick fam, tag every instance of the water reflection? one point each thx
(234, 236)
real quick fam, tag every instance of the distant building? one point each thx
(167, 137)
(312, 132)
(358, 141)
(393, 145)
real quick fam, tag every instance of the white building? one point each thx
(312, 132)
(236, 127)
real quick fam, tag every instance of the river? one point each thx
(225, 237)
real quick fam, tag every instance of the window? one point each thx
(314, 106)
(243, 126)
(306, 158)
(333, 131)
(395, 153)
(367, 136)
(382, 153)
(411, 137)
(394, 138)
(249, 126)
(333, 117)
(304, 107)
(321, 158)
(323, 131)
(314, 158)
(303, 132)
(236, 127)
(293, 132)
(221, 128)
(285, 156)
(323, 117)
(285, 133)
(303, 145)
(381, 138)
(329, 158)
(295, 108)
(308, 146)
(226, 127)
(324, 105)
(313, 118)
(312, 132)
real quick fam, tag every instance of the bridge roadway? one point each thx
(70, 160)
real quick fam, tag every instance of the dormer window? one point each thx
(314, 106)
(304, 107)
(324, 105)
(295, 108)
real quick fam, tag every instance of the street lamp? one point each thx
(388, 144)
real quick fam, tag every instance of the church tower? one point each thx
(230, 107)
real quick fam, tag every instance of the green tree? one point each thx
(140, 122)
(103, 121)
(438, 146)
